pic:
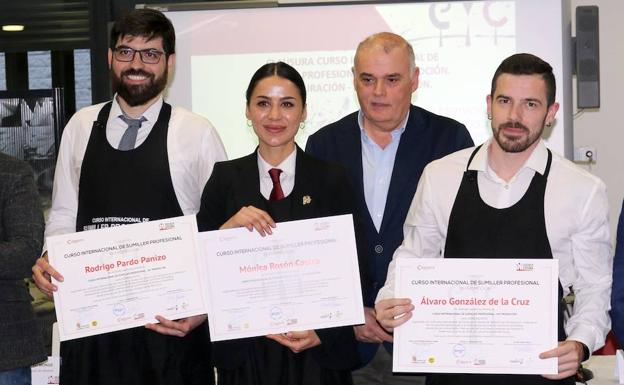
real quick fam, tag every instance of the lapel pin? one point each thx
(306, 199)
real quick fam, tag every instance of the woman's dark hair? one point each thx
(147, 23)
(281, 70)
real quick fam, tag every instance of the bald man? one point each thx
(384, 148)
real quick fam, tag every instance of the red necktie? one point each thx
(276, 193)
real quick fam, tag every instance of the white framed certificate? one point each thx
(46, 372)
(122, 277)
(477, 315)
(304, 276)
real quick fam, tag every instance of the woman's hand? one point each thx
(297, 341)
(251, 218)
(178, 328)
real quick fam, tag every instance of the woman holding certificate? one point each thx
(278, 182)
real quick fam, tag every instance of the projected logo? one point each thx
(458, 23)
(490, 15)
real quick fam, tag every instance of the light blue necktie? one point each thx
(128, 140)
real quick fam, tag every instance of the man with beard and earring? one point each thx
(134, 158)
(512, 197)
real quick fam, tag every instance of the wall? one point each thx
(603, 128)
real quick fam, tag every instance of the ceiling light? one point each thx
(12, 28)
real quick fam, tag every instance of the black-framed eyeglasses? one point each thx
(148, 56)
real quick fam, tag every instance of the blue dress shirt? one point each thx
(617, 291)
(377, 166)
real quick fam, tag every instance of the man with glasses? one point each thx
(134, 158)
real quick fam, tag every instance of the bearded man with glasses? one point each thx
(133, 157)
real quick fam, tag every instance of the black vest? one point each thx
(477, 230)
(116, 188)
(122, 187)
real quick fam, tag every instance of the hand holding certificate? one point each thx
(122, 277)
(475, 316)
(304, 276)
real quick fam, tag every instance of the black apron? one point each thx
(116, 188)
(477, 230)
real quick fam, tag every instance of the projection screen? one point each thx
(458, 46)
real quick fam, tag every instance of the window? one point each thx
(82, 76)
(39, 70)
(2, 73)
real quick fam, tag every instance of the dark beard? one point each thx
(515, 145)
(136, 95)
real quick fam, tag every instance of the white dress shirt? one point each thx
(287, 177)
(193, 147)
(577, 224)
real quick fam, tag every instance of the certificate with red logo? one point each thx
(477, 315)
(122, 277)
(304, 276)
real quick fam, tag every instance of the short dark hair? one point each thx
(281, 70)
(147, 23)
(527, 64)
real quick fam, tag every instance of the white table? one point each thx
(603, 368)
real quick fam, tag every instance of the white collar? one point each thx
(536, 162)
(151, 114)
(397, 131)
(287, 165)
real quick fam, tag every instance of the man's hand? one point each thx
(569, 354)
(177, 328)
(297, 341)
(42, 271)
(251, 218)
(393, 312)
(371, 331)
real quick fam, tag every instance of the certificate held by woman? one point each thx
(279, 183)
